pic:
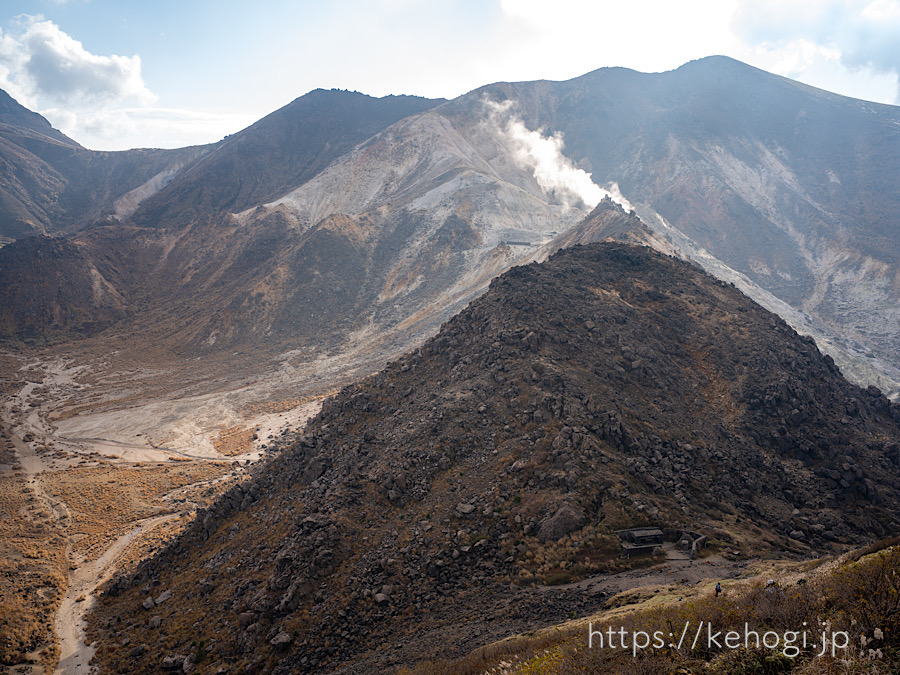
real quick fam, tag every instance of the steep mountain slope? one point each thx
(50, 184)
(14, 114)
(606, 388)
(790, 185)
(396, 235)
(608, 222)
(51, 290)
(277, 154)
(26, 190)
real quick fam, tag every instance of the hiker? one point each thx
(718, 589)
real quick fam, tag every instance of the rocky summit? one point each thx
(433, 506)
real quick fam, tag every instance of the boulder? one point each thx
(173, 662)
(566, 519)
(282, 640)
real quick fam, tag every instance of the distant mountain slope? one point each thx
(14, 114)
(609, 387)
(50, 184)
(277, 154)
(50, 290)
(53, 185)
(27, 185)
(792, 186)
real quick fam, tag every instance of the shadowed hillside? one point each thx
(609, 387)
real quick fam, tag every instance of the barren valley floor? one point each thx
(99, 465)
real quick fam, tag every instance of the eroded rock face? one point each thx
(607, 388)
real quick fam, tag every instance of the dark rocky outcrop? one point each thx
(610, 387)
(561, 523)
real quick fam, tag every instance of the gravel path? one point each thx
(75, 655)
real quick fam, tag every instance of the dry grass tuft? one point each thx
(859, 598)
(234, 440)
(33, 569)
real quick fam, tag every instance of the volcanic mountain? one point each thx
(788, 185)
(342, 217)
(607, 388)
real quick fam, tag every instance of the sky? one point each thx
(118, 74)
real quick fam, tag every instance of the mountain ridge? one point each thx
(370, 255)
(14, 114)
(293, 143)
(606, 388)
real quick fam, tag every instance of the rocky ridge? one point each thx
(609, 387)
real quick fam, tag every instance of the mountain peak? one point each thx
(610, 387)
(14, 114)
(609, 222)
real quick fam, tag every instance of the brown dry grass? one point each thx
(860, 596)
(93, 506)
(33, 571)
(272, 407)
(238, 439)
(234, 440)
(105, 501)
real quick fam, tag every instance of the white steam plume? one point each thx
(542, 155)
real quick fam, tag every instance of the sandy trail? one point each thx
(672, 572)
(75, 654)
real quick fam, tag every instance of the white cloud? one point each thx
(62, 69)
(100, 101)
(42, 64)
(852, 46)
